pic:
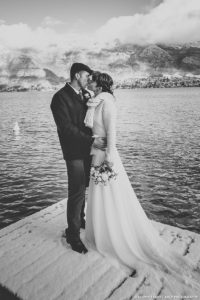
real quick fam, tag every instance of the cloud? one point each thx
(171, 21)
(151, 4)
(168, 21)
(21, 36)
(50, 22)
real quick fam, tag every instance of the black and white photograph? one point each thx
(99, 150)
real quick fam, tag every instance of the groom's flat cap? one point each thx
(77, 67)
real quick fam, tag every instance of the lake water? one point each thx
(158, 139)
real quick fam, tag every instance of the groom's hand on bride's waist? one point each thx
(100, 143)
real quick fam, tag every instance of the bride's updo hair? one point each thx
(104, 81)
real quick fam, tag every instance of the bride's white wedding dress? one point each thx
(116, 224)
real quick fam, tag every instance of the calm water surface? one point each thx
(158, 140)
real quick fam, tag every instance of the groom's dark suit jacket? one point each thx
(69, 111)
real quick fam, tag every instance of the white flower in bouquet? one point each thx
(105, 176)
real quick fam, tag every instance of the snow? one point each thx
(36, 263)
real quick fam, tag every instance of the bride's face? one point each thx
(92, 85)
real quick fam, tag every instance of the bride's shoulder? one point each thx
(107, 98)
(109, 105)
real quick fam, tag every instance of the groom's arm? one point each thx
(64, 123)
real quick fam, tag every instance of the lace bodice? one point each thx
(105, 121)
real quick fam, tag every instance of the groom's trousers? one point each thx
(78, 171)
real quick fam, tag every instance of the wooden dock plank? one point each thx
(28, 273)
(130, 286)
(105, 285)
(12, 237)
(33, 240)
(58, 276)
(79, 286)
(194, 250)
(18, 264)
(173, 288)
(151, 286)
(43, 214)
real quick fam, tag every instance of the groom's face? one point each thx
(82, 79)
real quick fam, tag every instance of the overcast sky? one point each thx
(90, 14)
(40, 23)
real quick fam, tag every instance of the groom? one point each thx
(69, 109)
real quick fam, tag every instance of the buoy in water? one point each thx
(16, 128)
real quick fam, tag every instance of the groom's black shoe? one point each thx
(77, 245)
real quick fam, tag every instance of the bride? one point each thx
(116, 224)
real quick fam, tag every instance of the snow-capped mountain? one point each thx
(30, 68)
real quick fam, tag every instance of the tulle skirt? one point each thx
(119, 229)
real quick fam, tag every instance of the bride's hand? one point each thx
(109, 160)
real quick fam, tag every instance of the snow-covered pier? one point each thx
(36, 263)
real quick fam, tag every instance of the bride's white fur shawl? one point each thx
(92, 103)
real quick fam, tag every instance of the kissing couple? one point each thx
(85, 113)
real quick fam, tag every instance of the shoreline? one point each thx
(129, 83)
(118, 88)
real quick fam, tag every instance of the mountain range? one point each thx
(29, 68)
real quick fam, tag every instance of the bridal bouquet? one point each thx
(102, 174)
